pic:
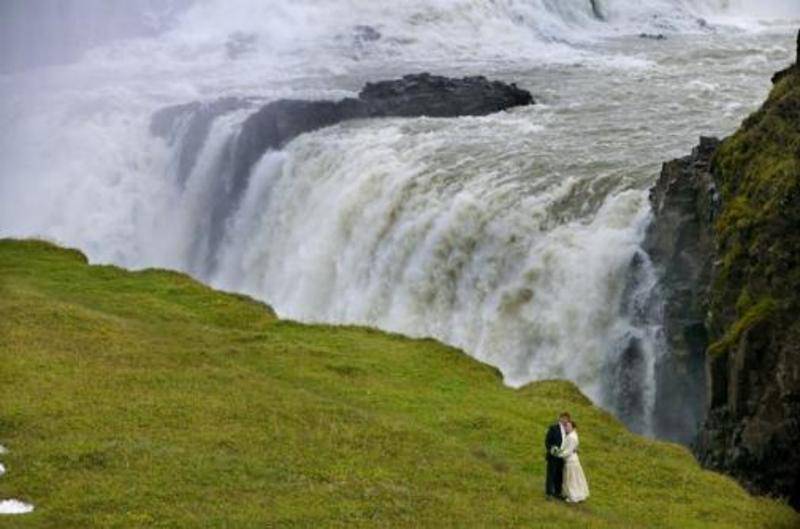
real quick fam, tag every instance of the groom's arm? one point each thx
(550, 439)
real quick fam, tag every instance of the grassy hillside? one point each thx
(133, 400)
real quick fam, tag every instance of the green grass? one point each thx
(134, 400)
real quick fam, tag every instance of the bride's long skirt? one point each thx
(575, 486)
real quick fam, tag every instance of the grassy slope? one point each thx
(148, 400)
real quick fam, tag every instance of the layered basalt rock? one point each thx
(726, 237)
(680, 243)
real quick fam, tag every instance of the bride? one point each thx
(575, 488)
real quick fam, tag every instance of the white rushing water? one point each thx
(509, 235)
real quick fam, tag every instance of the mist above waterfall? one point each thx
(510, 235)
(35, 33)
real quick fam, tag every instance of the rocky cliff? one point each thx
(680, 243)
(726, 239)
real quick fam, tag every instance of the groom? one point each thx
(555, 465)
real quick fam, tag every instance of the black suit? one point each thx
(555, 465)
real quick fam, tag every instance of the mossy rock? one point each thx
(758, 229)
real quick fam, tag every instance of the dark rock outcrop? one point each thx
(443, 97)
(277, 123)
(423, 94)
(652, 36)
(681, 246)
(726, 234)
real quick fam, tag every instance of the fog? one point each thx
(36, 33)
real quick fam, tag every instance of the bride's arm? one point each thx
(570, 445)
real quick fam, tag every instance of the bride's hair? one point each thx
(574, 425)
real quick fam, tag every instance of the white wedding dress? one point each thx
(575, 488)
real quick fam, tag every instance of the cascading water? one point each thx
(510, 235)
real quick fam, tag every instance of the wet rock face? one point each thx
(745, 402)
(726, 236)
(680, 244)
(753, 426)
(626, 394)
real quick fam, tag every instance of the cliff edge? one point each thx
(726, 239)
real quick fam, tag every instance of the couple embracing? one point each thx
(565, 477)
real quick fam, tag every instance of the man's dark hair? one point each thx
(565, 415)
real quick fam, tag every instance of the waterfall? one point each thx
(514, 236)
